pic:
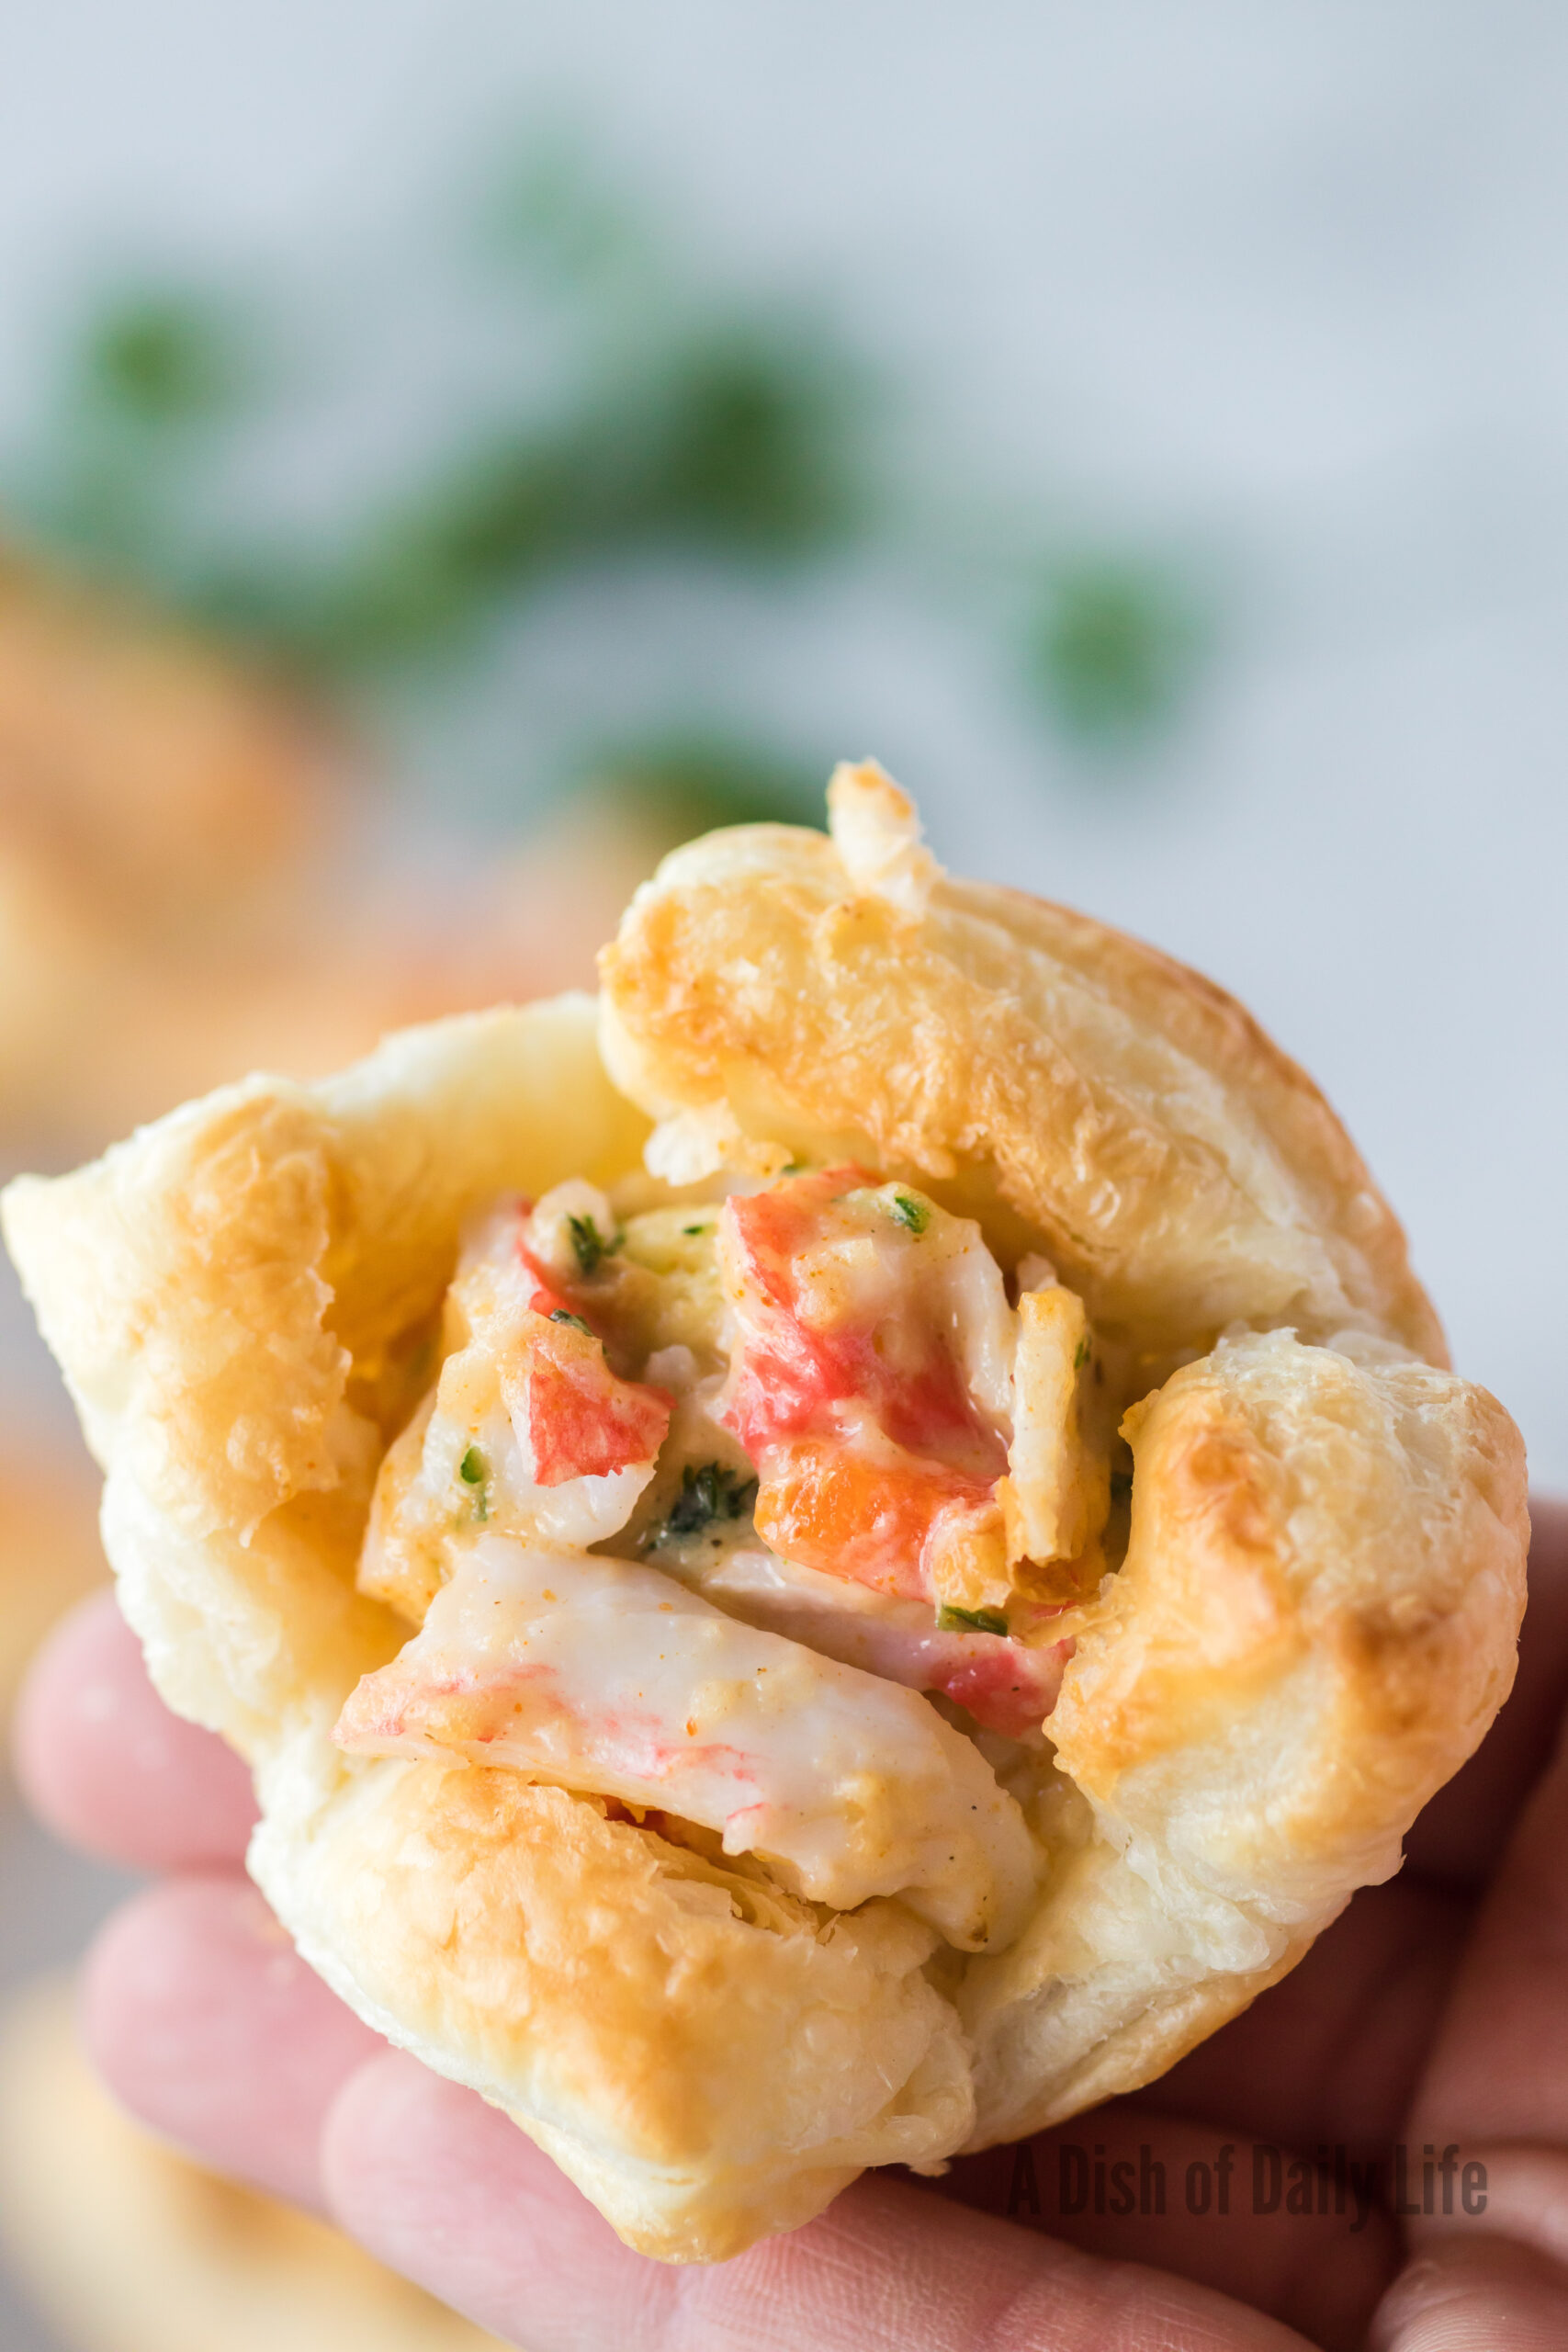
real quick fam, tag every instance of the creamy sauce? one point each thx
(703, 1501)
(1008, 1686)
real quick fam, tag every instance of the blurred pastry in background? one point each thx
(158, 802)
(448, 919)
(49, 1551)
(199, 877)
(174, 784)
(125, 2246)
(401, 928)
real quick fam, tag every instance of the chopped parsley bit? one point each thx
(910, 1212)
(693, 1228)
(1120, 1485)
(970, 1621)
(564, 1315)
(474, 1470)
(1080, 1356)
(707, 1494)
(589, 1245)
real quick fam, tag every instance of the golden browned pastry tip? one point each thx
(823, 1563)
(126, 2247)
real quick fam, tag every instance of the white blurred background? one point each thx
(1233, 339)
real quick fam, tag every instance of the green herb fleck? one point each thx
(707, 1494)
(564, 1315)
(474, 1470)
(1080, 1356)
(693, 1228)
(970, 1621)
(589, 1245)
(910, 1212)
(1120, 1485)
(1120, 644)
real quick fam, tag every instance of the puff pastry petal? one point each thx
(1312, 1627)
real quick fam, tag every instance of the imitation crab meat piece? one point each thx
(1006, 1686)
(871, 1382)
(529, 1430)
(903, 1527)
(615, 1679)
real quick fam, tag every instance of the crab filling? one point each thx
(761, 1513)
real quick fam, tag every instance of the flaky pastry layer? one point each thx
(1313, 1626)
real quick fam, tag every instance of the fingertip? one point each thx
(398, 2142)
(1517, 2190)
(206, 2024)
(445, 2189)
(108, 1768)
(1464, 2293)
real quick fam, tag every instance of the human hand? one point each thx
(1436, 2010)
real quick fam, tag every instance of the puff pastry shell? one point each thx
(1313, 1624)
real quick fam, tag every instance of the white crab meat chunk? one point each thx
(528, 1430)
(1008, 1686)
(613, 1679)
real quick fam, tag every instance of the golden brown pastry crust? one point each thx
(1177, 1168)
(1313, 1624)
(1320, 1600)
(228, 1291)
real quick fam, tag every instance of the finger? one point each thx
(1517, 2192)
(446, 2189)
(1267, 2227)
(1332, 2053)
(1499, 2064)
(1461, 1833)
(1475, 2295)
(108, 1767)
(206, 2024)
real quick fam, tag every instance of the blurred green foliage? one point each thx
(726, 438)
(159, 359)
(733, 445)
(1118, 647)
(543, 211)
(640, 420)
(155, 373)
(693, 779)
